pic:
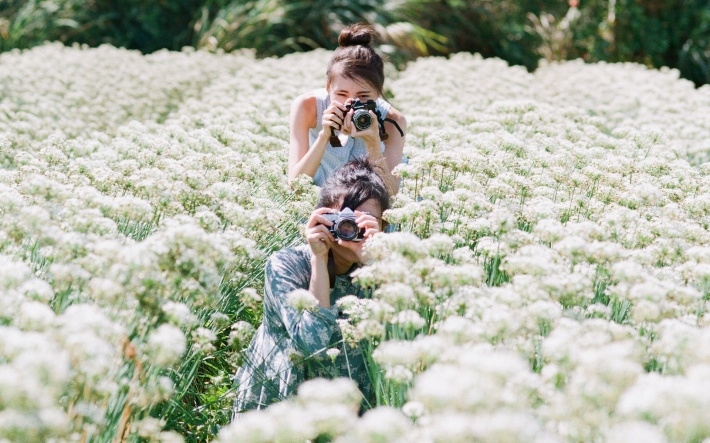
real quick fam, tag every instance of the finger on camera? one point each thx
(362, 215)
(347, 244)
(369, 232)
(335, 115)
(365, 219)
(320, 237)
(338, 109)
(320, 220)
(321, 230)
(322, 210)
(317, 218)
(367, 225)
(348, 124)
(331, 120)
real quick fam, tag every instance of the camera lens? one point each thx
(347, 229)
(362, 119)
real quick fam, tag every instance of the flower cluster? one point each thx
(549, 283)
(139, 199)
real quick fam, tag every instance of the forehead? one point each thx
(340, 83)
(371, 206)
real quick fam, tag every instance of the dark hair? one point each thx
(355, 59)
(352, 185)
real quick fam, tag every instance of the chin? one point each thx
(345, 253)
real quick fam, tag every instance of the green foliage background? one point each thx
(673, 33)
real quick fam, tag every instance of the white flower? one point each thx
(203, 338)
(219, 320)
(252, 427)
(241, 333)
(166, 345)
(37, 289)
(342, 391)
(645, 310)
(399, 374)
(396, 294)
(408, 319)
(147, 207)
(635, 432)
(179, 314)
(302, 300)
(250, 298)
(333, 353)
(413, 409)
(35, 316)
(148, 427)
(370, 329)
(383, 423)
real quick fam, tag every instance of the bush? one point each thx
(491, 28)
(656, 33)
(132, 24)
(674, 33)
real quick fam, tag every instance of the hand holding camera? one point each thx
(346, 228)
(358, 118)
(344, 225)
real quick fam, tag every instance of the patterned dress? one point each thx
(289, 346)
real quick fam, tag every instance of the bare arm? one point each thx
(302, 158)
(320, 241)
(394, 146)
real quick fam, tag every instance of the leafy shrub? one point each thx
(656, 33)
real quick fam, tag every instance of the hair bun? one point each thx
(357, 34)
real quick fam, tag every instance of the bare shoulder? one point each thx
(303, 108)
(398, 117)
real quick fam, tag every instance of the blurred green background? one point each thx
(673, 33)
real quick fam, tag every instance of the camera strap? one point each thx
(331, 268)
(334, 140)
(383, 134)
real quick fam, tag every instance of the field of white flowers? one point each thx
(549, 284)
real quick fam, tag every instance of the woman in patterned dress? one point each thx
(291, 345)
(355, 71)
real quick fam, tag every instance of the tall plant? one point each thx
(24, 24)
(672, 33)
(279, 27)
(491, 28)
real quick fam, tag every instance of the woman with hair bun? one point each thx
(323, 135)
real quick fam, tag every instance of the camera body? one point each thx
(361, 115)
(344, 225)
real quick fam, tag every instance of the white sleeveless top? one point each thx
(333, 158)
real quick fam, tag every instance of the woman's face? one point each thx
(341, 89)
(349, 250)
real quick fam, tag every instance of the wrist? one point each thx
(374, 148)
(320, 281)
(320, 259)
(378, 159)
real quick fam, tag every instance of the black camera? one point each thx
(344, 225)
(361, 115)
(363, 120)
